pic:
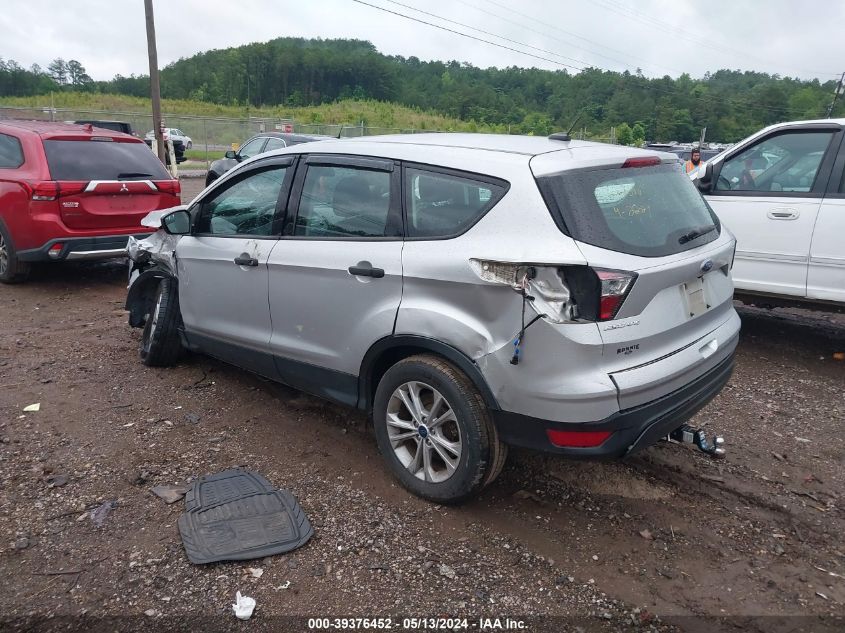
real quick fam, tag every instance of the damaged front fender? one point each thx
(150, 260)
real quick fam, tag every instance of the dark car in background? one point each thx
(117, 126)
(258, 144)
(73, 192)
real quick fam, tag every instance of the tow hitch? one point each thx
(690, 435)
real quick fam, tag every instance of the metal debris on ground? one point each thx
(239, 515)
(168, 493)
(101, 512)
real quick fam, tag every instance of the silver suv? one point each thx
(470, 292)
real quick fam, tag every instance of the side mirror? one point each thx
(177, 223)
(705, 180)
(230, 153)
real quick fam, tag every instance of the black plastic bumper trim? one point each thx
(633, 429)
(99, 243)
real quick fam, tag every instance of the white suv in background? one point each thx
(173, 134)
(781, 192)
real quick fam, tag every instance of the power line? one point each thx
(558, 29)
(781, 110)
(467, 35)
(690, 36)
(502, 37)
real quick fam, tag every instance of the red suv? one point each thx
(73, 192)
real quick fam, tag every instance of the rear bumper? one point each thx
(81, 248)
(631, 429)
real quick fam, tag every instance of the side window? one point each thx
(274, 143)
(343, 202)
(787, 162)
(246, 207)
(253, 148)
(11, 154)
(441, 205)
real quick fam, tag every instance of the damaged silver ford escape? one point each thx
(470, 292)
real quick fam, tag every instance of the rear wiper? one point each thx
(132, 174)
(696, 233)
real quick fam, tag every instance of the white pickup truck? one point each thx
(781, 192)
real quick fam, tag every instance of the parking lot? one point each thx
(669, 533)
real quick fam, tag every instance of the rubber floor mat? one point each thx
(239, 515)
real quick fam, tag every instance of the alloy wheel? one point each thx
(424, 432)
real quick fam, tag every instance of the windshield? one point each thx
(646, 211)
(102, 160)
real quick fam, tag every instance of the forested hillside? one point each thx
(300, 72)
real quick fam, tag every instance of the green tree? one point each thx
(58, 71)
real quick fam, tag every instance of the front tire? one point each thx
(189, 145)
(160, 344)
(12, 269)
(434, 430)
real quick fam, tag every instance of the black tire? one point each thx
(12, 270)
(160, 343)
(482, 454)
(210, 177)
(189, 145)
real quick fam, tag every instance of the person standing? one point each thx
(694, 160)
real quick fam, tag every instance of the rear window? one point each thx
(102, 160)
(445, 205)
(646, 211)
(11, 154)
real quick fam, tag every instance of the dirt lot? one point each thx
(754, 541)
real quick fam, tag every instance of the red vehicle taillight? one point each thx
(169, 186)
(51, 189)
(615, 286)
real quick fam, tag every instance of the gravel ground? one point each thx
(669, 539)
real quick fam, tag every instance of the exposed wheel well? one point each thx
(387, 352)
(141, 295)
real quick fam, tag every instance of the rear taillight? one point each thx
(71, 187)
(169, 186)
(42, 189)
(615, 286)
(51, 189)
(562, 293)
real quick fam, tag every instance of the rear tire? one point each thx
(435, 431)
(12, 269)
(189, 145)
(160, 343)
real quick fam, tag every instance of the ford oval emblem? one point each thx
(706, 265)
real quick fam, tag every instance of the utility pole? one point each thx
(840, 88)
(155, 87)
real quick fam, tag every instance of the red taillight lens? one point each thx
(55, 250)
(577, 439)
(615, 286)
(642, 161)
(42, 189)
(71, 187)
(169, 186)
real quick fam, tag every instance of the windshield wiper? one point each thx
(132, 174)
(696, 233)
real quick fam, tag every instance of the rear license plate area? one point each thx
(696, 297)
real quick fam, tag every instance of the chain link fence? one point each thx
(211, 136)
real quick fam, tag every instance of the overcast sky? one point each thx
(661, 37)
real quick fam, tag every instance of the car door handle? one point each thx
(365, 269)
(244, 259)
(783, 214)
